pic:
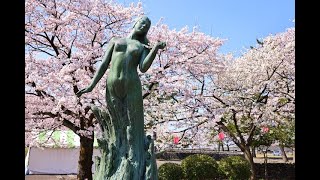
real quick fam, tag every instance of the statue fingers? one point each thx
(79, 93)
(162, 45)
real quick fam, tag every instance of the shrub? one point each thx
(170, 171)
(199, 166)
(235, 168)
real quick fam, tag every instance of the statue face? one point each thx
(142, 25)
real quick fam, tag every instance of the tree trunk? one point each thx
(126, 153)
(265, 153)
(254, 151)
(85, 158)
(249, 157)
(283, 154)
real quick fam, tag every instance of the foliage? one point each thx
(170, 171)
(285, 134)
(235, 168)
(199, 166)
(264, 139)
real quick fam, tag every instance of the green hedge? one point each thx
(170, 171)
(200, 166)
(234, 168)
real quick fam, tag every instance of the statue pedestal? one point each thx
(125, 153)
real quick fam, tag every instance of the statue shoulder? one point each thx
(114, 39)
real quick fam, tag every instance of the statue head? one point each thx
(142, 25)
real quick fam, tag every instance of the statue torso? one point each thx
(125, 58)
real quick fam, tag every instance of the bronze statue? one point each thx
(126, 153)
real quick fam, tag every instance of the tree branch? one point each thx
(194, 126)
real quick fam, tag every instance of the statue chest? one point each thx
(128, 47)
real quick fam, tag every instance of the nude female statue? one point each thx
(125, 151)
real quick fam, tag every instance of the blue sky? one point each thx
(239, 21)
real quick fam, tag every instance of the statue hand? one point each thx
(161, 44)
(84, 90)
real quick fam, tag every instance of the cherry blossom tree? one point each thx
(169, 85)
(64, 41)
(255, 90)
(238, 95)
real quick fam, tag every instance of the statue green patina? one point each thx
(126, 152)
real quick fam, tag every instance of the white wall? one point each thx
(55, 160)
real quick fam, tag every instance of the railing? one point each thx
(202, 150)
